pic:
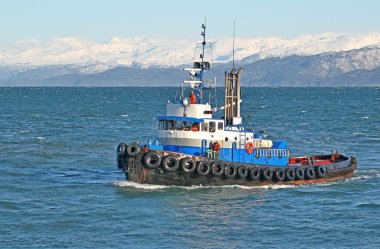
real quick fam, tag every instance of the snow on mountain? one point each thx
(91, 56)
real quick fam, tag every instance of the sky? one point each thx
(100, 20)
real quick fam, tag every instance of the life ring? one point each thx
(249, 148)
(217, 168)
(170, 163)
(188, 165)
(215, 146)
(152, 159)
(133, 149)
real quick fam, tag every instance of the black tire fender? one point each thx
(217, 168)
(152, 159)
(321, 171)
(310, 173)
(170, 163)
(267, 174)
(300, 173)
(121, 150)
(255, 173)
(290, 174)
(280, 174)
(242, 171)
(188, 165)
(133, 149)
(204, 168)
(230, 171)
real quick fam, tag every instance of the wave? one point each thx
(369, 205)
(366, 174)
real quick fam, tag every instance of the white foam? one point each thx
(40, 138)
(139, 186)
(359, 175)
(366, 174)
(124, 115)
(156, 187)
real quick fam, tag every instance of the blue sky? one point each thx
(100, 20)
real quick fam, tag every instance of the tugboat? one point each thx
(194, 147)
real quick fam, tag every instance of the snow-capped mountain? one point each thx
(92, 57)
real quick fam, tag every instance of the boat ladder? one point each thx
(242, 143)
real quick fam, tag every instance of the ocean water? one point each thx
(60, 187)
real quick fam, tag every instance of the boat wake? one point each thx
(359, 176)
(366, 174)
(127, 184)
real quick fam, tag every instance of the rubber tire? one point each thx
(279, 174)
(217, 168)
(267, 174)
(242, 171)
(310, 173)
(147, 159)
(185, 162)
(133, 149)
(255, 174)
(230, 171)
(321, 171)
(203, 165)
(290, 174)
(300, 173)
(120, 163)
(170, 163)
(121, 150)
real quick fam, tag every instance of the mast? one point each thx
(203, 48)
(196, 72)
(233, 48)
(202, 58)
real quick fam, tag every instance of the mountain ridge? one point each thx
(145, 52)
(73, 62)
(359, 67)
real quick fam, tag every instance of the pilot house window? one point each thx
(220, 126)
(204, 127)
(212, 126)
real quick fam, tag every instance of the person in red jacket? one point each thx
(193, 98)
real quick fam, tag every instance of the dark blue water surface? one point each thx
(60, 187)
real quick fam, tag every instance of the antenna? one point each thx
(202, 57)
(203, 47)
(233, 49)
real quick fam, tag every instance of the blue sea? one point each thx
(60, 186)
